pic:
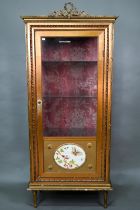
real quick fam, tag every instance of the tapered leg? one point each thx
(35, 198)
(105, 199)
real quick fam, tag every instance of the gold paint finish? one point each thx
(50, 167)
(99, 161)
(89, 145)
(62, 173)
(105, 199)
(35, 198)
(69, 11)
(49, 146)
(41, 153)
(90, 166)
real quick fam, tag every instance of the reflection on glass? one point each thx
(69, 86)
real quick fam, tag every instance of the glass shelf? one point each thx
(46, 97)
(45, 61)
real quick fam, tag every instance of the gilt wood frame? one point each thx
(40, 24)
(71, 33)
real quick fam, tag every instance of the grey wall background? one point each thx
(125, 155)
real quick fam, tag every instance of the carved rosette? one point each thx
(69, 11)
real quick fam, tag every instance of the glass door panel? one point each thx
(69, 86)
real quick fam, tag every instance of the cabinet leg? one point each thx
(35, 198)
(105, 199)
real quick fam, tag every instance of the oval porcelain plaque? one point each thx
(70, 156)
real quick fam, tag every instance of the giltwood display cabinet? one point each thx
(69, 68)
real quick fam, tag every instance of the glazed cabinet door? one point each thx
(69, 91)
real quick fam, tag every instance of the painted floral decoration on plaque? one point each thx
(69, 156)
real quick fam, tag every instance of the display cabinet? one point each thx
(69, 68)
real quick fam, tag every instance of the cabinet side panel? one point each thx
(109, 99)
(30, 66)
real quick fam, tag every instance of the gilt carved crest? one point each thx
(69, 11)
